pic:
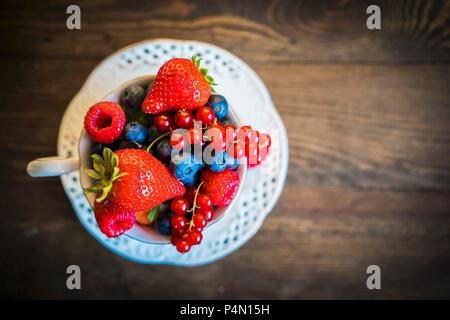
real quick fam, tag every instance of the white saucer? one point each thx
(243, 88)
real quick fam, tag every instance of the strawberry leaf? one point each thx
(97, 158)
(92, 173)
(196, 60)
(105, 192)
(99, 168)
(106, 170)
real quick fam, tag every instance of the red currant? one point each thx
(190, 194)
(195, 135)
(163, 122)
(216, 134)
(230, 133)
(174, 239)
(218, 131)
(199, 221)
(220, 146)
(184, 119)
(251, 152)
(199, 229)
(207, 212)
(179, 206)
(205, 115)
(254, 137)
(264, 140)
(194, 237)
(244, 133)
(236, 150)
(204, 201)
(255, 162)
(179, 224)
(183, 246)
(263, 152)
(177, 140)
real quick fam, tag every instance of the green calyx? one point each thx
(106, 171)
(153, 214)
(197, 61)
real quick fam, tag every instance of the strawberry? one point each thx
(132, 179)
(104, 121)
(113, 221)
(221, 187)
(179, 84)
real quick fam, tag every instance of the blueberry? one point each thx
(232, 163)
(153, 133)
(219, 104)
(190, 181)
(136, 132)
(132, 98)
(162, 223)
(199, 160)
(164, 150)
(185, 168)
(219, 162)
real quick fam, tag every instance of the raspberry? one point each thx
(221, 187)
(113, 222)
(104, 122)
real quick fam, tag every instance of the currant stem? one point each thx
(194, 206)
(157, 139)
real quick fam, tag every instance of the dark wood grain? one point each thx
(368, 120)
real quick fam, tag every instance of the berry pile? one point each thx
(166, 156)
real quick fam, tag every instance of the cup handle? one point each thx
(52, 166)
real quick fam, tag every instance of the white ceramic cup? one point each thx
(56, 166)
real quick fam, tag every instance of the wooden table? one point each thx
(368, 119)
